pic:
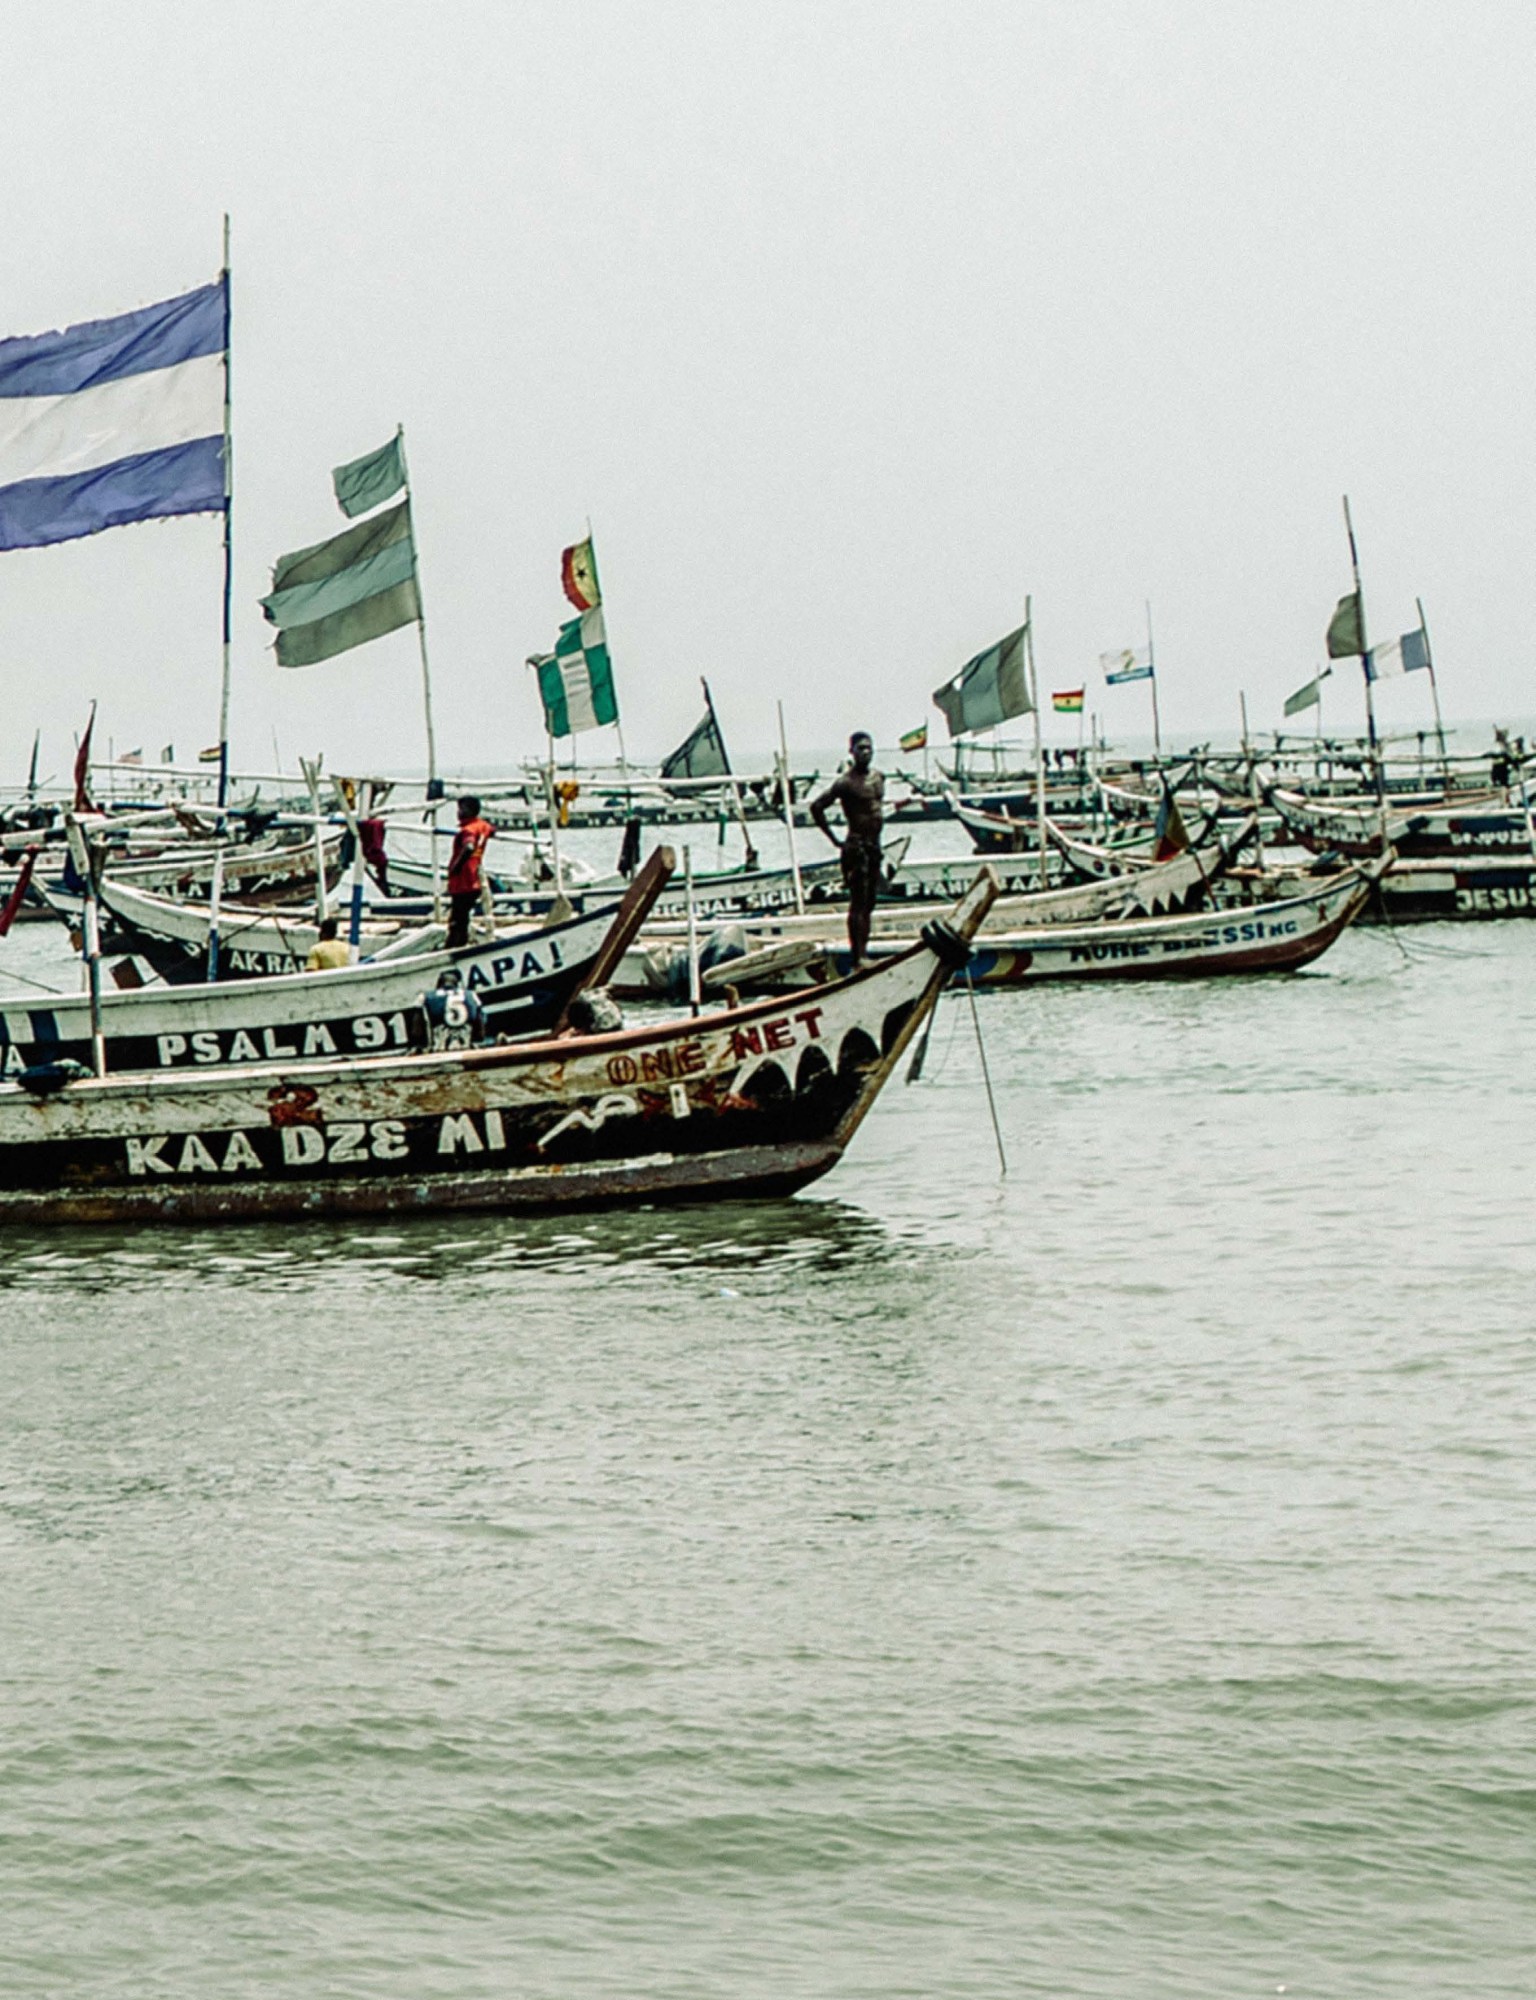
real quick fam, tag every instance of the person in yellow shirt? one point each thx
(329, 951)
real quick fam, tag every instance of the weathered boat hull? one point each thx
(1165, 886)
(1279, 936)
(522, 981)
(1474, 888)
(1425, 833)
(746, 1101)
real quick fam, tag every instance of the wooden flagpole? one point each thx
(229, 523)
(434, 787)
(602, 606)
(311, 769)
(87, 860)
(1157, 731)
(725, 756)
(1365, 657)
(1034, 691)
(787, 799)
(1434, 689)
(554, 810)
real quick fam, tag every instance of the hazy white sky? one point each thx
(848, 325)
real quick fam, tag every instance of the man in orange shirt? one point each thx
(464, 869)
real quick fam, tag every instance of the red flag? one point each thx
(14, 901)
(83, 765)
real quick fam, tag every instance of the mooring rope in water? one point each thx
(986, 1075)
(920, 1053)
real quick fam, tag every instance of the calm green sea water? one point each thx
(1118, 1580)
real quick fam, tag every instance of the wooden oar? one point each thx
(632, 913)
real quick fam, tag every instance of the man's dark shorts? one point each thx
(861, 871)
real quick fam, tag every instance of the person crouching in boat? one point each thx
(860, 791)
(464, 869)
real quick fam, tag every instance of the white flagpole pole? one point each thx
(693, 930)
(1034, 691)
(434, 792)
(355, 915)
(554, 814)
(1157, 732)
(86, 857)
(229, 515)
(1434, 689)
(1365, 660)
(215, 899)
(311, 770)
(421, 614)
(787, 794)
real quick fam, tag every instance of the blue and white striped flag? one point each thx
(1407, 655)
(1134, 663)
(115, 420)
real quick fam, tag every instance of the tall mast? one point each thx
(1157, 732)
(229, 523)
(1034, 696)
(1434, 689)
(434, 788)
(1365, 654)
(421, 623)
(618, 721)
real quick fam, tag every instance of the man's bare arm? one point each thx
(830, 796)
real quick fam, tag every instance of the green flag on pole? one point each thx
(341, 593)
(368, 482)
(1309, 696)
(988, 689)
(576, 679)
(1344, 634)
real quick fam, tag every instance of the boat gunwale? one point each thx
(417, 1063)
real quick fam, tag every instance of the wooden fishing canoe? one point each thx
(749, 1100)
(1277, 936)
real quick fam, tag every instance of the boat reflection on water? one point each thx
(723, 1242)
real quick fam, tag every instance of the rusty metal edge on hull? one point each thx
(751, 1171)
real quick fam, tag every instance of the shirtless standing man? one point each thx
(860, 792)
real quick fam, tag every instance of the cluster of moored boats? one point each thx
(201, 1071)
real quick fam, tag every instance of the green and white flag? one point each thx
(368, 482)
(341, 593)
(1309, 696)
(989, 689)
(1345, 635)
(576, 679)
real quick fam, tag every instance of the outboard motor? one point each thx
(719, 948)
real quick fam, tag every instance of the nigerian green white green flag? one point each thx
(989, 689)
(576, 679)
(341, 593)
